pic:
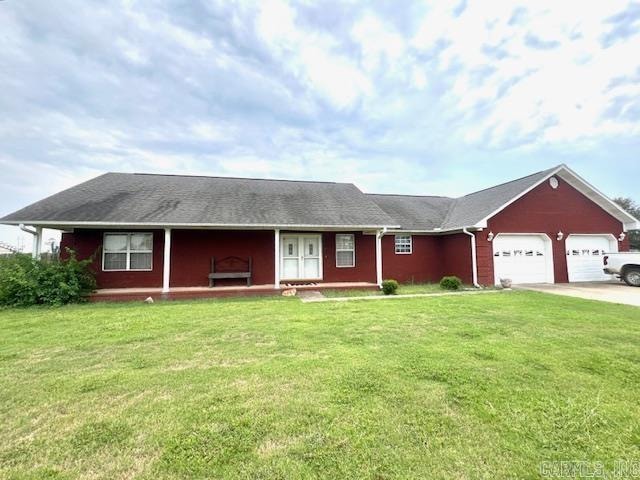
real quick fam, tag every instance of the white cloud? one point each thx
(424, 99)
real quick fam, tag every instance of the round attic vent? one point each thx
(553, 181)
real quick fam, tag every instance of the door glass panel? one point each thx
(291, 247)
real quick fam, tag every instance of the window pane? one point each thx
(115, 243)
(344, 259)
(140, 261)
(115, 261)
(403, 243)
(344, 242)
(141, 241)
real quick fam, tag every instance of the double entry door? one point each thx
(301, 257)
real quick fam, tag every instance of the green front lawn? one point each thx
(477, 386)
(403, 289)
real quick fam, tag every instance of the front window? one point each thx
(345, 250)
(127, 251)
(403, 244)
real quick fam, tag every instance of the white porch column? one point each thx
(276, 256)
(37, 243)
(166, 263)
(379, 235)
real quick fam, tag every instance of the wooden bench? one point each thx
(230, 267)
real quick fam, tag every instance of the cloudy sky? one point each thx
(395, 96)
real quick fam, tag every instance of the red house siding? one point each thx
(365, 268)
(547, 210)
(456, 256)
(89, 242)
(191, 252)
(424, 264)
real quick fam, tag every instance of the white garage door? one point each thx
(523, 258)
(584, 257)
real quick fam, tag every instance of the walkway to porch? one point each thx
(183, 293)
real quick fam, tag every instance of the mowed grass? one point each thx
(403, 289)
(477, 386)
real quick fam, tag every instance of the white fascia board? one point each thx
(631, 226)
(435, 232)
(253, 226)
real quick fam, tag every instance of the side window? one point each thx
(345, 250)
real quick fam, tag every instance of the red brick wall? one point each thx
(365, 268)
(89, 242)
(423, 265)
(545, 210)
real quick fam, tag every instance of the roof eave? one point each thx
(235, 226)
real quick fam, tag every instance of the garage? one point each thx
(523, 258)
(584, 256)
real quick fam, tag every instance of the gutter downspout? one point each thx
(37, 235)
(379, 235)
(474, 258)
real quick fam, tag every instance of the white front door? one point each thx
(523, 258)
(301, 257)
(585, 257)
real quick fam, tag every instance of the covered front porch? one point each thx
(186, 293)
(209, 262)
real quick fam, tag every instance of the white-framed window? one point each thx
(127, 251)
(404, 245)
(345, 250)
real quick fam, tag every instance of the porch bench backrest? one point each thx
(230, 267)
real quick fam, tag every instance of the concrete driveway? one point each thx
(614, 292)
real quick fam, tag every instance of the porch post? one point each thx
(37, 243)
(379, 235)
(276, 256)
(166, 263)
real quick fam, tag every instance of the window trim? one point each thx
(353, 237)
(395, 244)
(127, 252)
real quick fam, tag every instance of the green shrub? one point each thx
(450, 283)
(25, 281)
(389, 287)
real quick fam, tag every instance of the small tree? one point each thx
(634, 209)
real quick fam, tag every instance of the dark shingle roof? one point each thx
(131, 198)
(473, 208)
(443, 213)
(414, 212)
(173, 199)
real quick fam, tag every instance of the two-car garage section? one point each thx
(528, 258)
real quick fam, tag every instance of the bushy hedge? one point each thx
(451, 283)
(25, 281)
(389, 287)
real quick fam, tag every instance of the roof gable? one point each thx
(475, 209)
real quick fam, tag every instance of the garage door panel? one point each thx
(521, 258)
(585, 257)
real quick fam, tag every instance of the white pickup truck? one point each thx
(625, 265)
